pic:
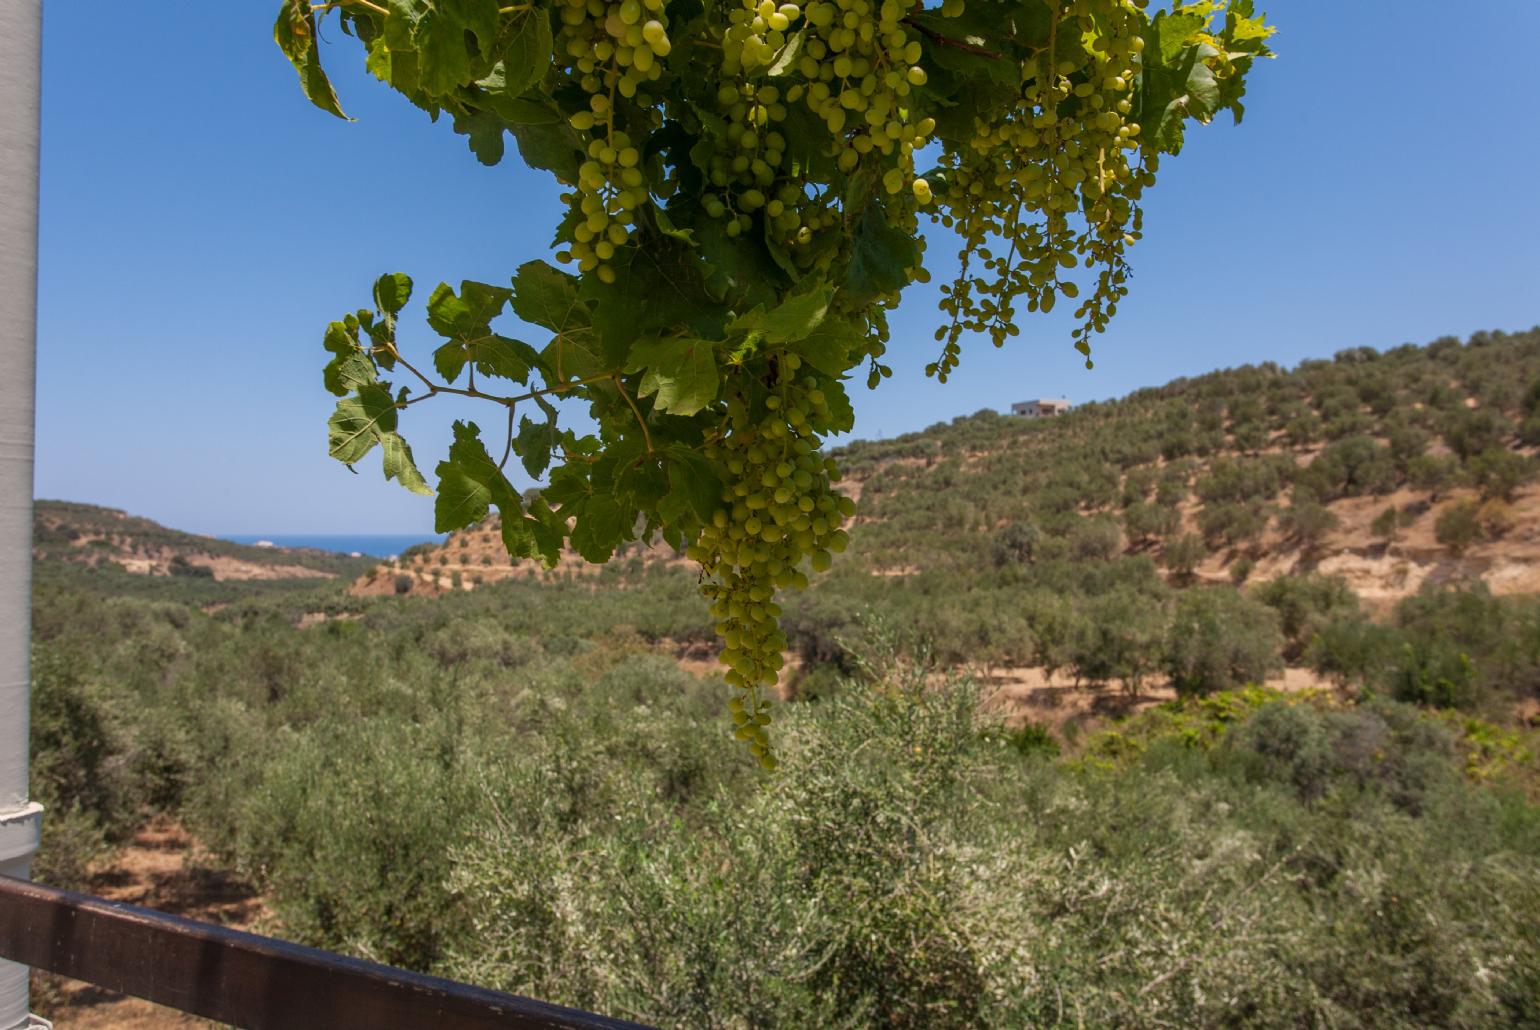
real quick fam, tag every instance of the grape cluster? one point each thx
(613, 51)
(853, 64)
(779, 509)
(1063, 147)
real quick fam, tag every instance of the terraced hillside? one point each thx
(1390, 469)
(1348, 466)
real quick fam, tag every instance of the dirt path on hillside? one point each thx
(158, 869)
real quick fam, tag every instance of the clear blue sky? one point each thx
(201, 223)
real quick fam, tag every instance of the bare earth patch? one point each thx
(1029, 695)
(158, 869)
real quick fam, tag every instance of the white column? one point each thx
(20, 820)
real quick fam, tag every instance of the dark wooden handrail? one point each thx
(245, 979)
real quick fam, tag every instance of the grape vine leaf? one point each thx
(466, 319)
(470, 482)
(534, 443)
(734, 272)
(295, 34)
(349, 368)
(585, 496)
(655, 290)
(842, 417)
(359, 422)
(786, 60)
(453, 37)
(399, 464)
(827, 346)
(793, 319)
(528, 53)
(540, 533)
(695, 486)
(483, 130)
(393, 53)
(391, 292)
(597, 528)
(548, 297)
(680, 371)
(880, 257)
(550, 145)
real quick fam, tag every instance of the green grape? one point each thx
(754, 544)
(1065, 146)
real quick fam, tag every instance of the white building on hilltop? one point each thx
(1043, 407)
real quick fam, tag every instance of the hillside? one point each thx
(72, 539)
(1255, 470)
(1249, 473)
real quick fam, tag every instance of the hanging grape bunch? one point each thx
(745, 185)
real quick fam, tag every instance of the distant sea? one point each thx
(375, 545)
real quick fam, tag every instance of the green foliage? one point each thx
(1016, 544)
(1458, 526)
(1387, 523)
(1183, 554)
(1144, 522)
(508, 786)
(1306, 521)
(1470, 432)
(1498, 473)
(1095, 539)
(1119, 636)
(1351, 651)
(1306, 606)
(1232, 525)
(1219, 639)
(77, 771)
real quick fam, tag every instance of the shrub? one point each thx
(1469, 431)
(1457, 526)
(1240, 570)
(1387, 523)
(1433, 672)
(1350, 467)
(1306, 605)
(1219, 639)
(1095, 539)
(1498, 473)
(1433, 473)
(1032, 740)
(1118, 638)
(1307, 522)
(353, 827)
(1288, 742)
(1144, 522)
(1529, 431)
(1015, 543)
(1183, 554)
(1231, 525)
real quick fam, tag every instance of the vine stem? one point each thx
(507, 448)
(646, 436)
(437, 388)
(323, 8)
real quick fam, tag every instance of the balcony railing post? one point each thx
(20, 819)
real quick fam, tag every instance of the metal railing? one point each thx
(245, 979)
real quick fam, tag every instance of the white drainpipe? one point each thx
(20, 819)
